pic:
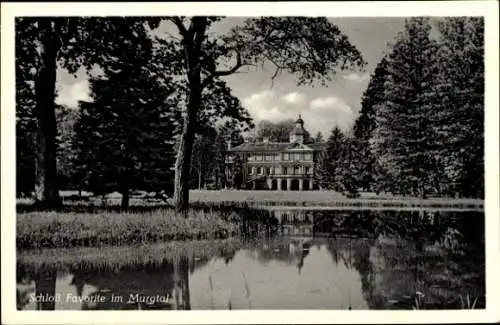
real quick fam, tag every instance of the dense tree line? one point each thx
(420, 130)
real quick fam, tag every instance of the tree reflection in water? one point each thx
(412, 255)
(164, 286)
(41, 283)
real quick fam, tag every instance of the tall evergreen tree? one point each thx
(125, 137)
(460, 93)
(350, 172)
(373, 95)
(330, 171)
(403, 138)
(364, 126)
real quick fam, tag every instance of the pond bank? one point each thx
(103, 228)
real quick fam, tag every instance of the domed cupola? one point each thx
(298, 133)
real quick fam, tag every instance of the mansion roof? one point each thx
(276, 146)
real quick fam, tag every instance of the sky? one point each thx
(322, 108)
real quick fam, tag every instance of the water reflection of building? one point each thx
(303, 222)
(290, 249)
(295, 222)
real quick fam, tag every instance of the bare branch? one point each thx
(276, 73)
(221, 73)
(178, 22)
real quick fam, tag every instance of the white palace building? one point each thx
(278, 165)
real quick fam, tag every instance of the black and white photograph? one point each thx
(191, 160)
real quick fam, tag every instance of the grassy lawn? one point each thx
(228, 198)
(69, 229)
(325, 199)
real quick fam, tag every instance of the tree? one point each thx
(310, 48)
(203, 162)
(403, 138)
(318, 138)
(46, 189)
(373, 95)
(25, 110)
(460, 93)
(210, 152)
(331, 166)
(65, 154)
(365, 124)
(237, 179)
(352, 173)
(125, 137)
(275, 132)
(41, 45)
(229, 134)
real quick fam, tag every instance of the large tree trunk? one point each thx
(46, 189)
(125, 198)
(125, 190)
(192, 48)
(183, 161)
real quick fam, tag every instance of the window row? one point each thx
(279, 170)
(307, 156)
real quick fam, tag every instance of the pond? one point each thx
(308, 260)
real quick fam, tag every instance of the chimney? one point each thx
(228, 143)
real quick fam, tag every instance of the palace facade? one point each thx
(266, 165)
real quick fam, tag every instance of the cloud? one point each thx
(328, 112)
(356, 77)
(295, 98)
(319, 114)
(268, 105)
(70, 94)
